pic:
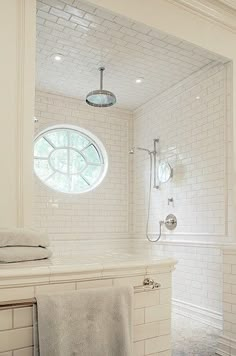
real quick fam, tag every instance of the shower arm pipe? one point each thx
(101, 77)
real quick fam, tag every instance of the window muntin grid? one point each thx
(69, 159)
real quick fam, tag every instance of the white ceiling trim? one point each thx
(221, 11)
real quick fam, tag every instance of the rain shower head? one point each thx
(101, 98)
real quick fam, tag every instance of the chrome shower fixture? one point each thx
(152, 177)
(170, 223)
(132, 150)
(166, 173)
(153, 156)
(101, 98)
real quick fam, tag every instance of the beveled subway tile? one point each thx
(15, 339)
(5, 319)
(146, 331)
(100, 283)
(28, 351)
(54, 288)
(8, 294)
(180, 60)
(22, 317)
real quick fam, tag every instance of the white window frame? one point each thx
(93, 141)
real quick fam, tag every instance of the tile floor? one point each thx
(193, 338)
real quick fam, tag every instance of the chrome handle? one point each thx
(148, 282)
(171, 222)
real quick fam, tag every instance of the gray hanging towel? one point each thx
(88, 322)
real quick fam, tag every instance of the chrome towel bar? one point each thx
(148, 285)
(15, 304)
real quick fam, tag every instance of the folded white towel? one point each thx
(89, 322)
(22, 253)
(23, 237)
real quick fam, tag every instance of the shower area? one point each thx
(161, 172)
(151, 174)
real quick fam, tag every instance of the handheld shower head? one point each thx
(132, 150)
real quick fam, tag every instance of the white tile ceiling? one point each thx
(89, 37)
(230, 3)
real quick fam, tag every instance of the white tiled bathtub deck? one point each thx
(190, 338)
(152, 309)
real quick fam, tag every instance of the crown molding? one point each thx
(222, 12)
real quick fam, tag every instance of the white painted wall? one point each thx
(17, 39)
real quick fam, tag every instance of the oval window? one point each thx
(69, 159)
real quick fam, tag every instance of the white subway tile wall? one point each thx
(197, 279)
(193, 123)
(227, 345)
(152, 317)
(195, 137)
(104, 210)
(87, 36)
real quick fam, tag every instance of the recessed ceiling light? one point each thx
(57, 57)
(198, 97)
(139, 80)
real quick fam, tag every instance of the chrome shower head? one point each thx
(132, 150)
(101, 98)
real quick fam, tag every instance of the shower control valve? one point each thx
(171, 222)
